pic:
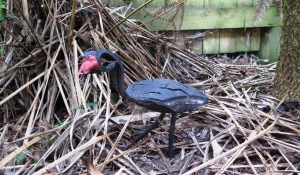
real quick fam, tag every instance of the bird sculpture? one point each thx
(161, 95)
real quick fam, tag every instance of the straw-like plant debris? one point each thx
(54, 121)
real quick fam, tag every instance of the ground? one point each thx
(55, 121)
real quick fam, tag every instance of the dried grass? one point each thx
(54, 121)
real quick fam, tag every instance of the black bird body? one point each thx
(161, 95)
(166, 96)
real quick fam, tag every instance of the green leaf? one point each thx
(21, 158)
(257, 89)
(88, 105)
(1, 10)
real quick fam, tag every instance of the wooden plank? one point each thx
(198, 3)
(195, 18)
(268, 19)
(255, 39)
(187, 40)
(226, 3)
(255, 2)
(192, 43)
(211, 43)
(227, 41)
(113, 3)
(189, 3)
(208, 18)
(219, 41)
(197, 46)
(242, 41)
(161, 3)
(210, 3)
(155, 3)
(270, 44)
(245, 3)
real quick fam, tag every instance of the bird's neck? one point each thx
(117, 76)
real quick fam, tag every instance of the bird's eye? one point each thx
(102, 62)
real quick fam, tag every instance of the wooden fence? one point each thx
(227, 25)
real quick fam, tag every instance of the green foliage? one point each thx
(4, 14)
(21, 158)
(88, 104)
(257, 89)
(1, 7)
(59, 125)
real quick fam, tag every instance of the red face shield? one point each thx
(89, 65)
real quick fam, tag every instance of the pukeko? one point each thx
(161, 95)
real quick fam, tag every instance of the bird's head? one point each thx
(97, 61)
(89, 63)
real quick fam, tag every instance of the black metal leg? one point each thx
(150, 128)
(171, 135)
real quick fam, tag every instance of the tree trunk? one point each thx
(287, 79)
